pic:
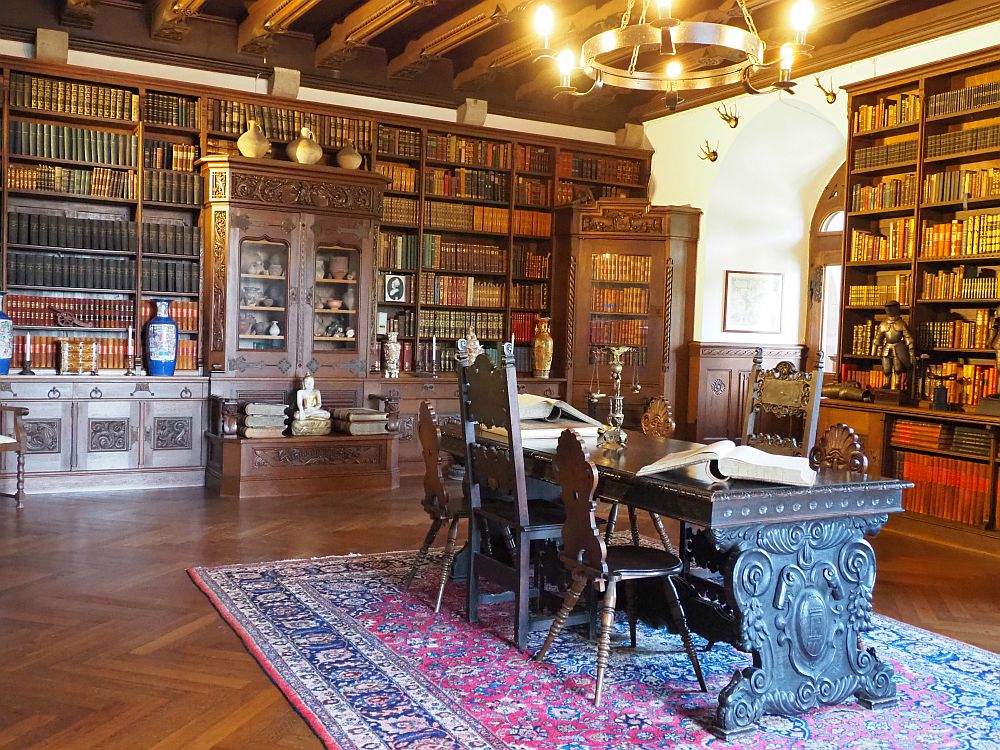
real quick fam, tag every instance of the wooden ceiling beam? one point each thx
(170, 18)
(361, 25)
(80, 13)
(265, 20)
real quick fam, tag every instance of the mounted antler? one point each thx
(731, 118)
(829, 93)
(709, 153)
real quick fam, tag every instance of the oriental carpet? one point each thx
(370, 667)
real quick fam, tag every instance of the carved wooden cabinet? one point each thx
(630, 271)
(289, 268)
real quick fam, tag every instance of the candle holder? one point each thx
(615, 435)
(26, 369)
(130, 362)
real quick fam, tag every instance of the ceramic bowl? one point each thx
(334, 304)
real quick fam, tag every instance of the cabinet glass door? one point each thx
(263, 295)
(336, 299)
(619, 306)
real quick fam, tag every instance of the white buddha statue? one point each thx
(309, 400)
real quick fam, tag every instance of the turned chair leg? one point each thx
(633, 522)
(422, 554)
(604, 640)
(662, 533)
(674, 603)
(19, 495)
(609, 531)
(633, 619)
(570, 598)
(447, 561)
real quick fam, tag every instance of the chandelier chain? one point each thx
(747, 17)
(627, 15)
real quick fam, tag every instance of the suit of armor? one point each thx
(895, 345)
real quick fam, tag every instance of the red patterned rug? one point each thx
(371, 667)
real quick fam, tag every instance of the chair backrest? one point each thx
(839, 447)
(583, 544)
(658, 419)
(782, 407)
(436, 501)
(488, 399)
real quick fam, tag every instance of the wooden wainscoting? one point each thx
(717, 385)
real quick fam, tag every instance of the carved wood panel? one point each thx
(172, 433)
(43, 435)
(107, 435)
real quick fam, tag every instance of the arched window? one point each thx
(833, 222)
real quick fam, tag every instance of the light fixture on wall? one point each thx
(702, 54)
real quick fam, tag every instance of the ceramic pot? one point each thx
(349, 299)
(541, 348)
(390, 354)
(253, 143)
(348, 157)
(304, 149)
(6, 339)
(275, 329)
(161, 341)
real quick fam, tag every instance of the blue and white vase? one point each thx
(6, 339)
(161, 341)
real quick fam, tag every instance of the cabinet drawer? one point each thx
(549, 390)
(37, 389)
(141, 389)
(419, 390)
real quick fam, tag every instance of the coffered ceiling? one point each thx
(443, 51)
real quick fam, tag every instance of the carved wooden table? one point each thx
(307, 465)
(797, 575)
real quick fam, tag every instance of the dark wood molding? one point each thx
(78, 13)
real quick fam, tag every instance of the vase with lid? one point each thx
(390, 353)
(161, 340)
(253, 143)
(541, 348)
(348, 157)
(304, 149)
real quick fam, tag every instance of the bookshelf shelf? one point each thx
(329, 311)
(965, 115)
(261, 336)
(70, 197)
(596, 181)
(459, 199)
(71, 163)
(172, 256)
(883, 264)
(174, 206)
(261, 276)
(185, 295)
(899, 166)
(76, 250)
(105, 123)
(39, 288)
(320, 281)
(81, 329)
(464, 165)
(159, 127)
(960, 204)
(976, 155)
(333, 338)
(262, 308)
(903, 127)
(985, 258)
(883, 212)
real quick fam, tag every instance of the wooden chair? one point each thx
(15, 443)
(497, 492)
(782, 397)
(440, 506)
(839, 448)
(591, 561)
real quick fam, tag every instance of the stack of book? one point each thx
(260, 420)
(359, 421)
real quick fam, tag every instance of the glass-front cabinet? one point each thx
(336, 298)
(263, 317)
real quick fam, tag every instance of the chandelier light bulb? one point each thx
(673, 69)
(544, 22)
(566, 62)
(802, 15)
(665, 8)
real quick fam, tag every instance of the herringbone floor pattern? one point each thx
(106, 643)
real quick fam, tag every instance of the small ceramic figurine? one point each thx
(276, 268)
(257, 265)
(274, 330)
(349, 333)
(309, 401)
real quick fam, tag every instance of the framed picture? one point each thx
(753, 302)
(395, 288)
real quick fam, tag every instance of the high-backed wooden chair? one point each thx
(839, 447)
(497, 491)
(440, 506)
(782, 407)
(591, 561)
(15, 442)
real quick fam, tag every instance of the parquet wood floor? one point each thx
(106, 643)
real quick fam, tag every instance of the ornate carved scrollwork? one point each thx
(285, 191)
(220, 183)
(658, 419)
(839, 448)
(347, 455)
(108, 435)
(42, 435)
(172, 433)
(219, 241)
(618, 220)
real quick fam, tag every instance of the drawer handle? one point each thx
(96, 393)
(141, 388)
(186, 392)
(548, 393)
(54, 393)
(428, 386)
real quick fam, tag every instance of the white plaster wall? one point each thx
(759, 197)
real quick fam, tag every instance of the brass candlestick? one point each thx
(615, 435)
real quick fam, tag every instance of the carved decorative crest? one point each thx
(42, 435)
(285, 191)
(108, 435)
(346, 455)
(172, 433)
(617, 220)
(219, 240)
(839, 448)
(658, 419)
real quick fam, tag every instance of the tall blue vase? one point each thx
(161, 341)
(6, 339)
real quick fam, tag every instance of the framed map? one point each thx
(753, 302)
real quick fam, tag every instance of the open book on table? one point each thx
(725, 459)
(545, 418)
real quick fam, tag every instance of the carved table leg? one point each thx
(802, 593)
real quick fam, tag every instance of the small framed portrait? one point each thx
(752, 303)
(395, 288)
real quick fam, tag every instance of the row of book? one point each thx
(461, 217)
(975, 441)
(606, 168)
(631, 300)
(467, 291)
(284, 124)
(532, 191)
(533, 159)
(616, 267)
(966, 383)
(398, 142)
(627, 332)
(403, 176)
(889, 153)
(529, 261)
(71, 97)
(76, 144)
(567, 192)
(892, 192)
(943, 487)
(867, 379)
(879, 294)
(976, 234)
(169, 275)
(184, 312)
(455, 323)
(171, 239)
(397, 210)
(440, 254)
(960, 141)
(48, 230)
(101, 182)
(522, 325)
(170, 109)
(956, 334)
(112, 353)
(76, 272)
(971, 97)
(636, 357)
(465, 150)
(887, 112)
(894, 240)
(403, 322)
(398, 250)
(532, 296)
(956, 185)
(179, 157)
(64, 312)
(461, 182)
(958, 284)
(532, 223)
(862, 335)
(166, 186)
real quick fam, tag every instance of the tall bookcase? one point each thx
(923, 228)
